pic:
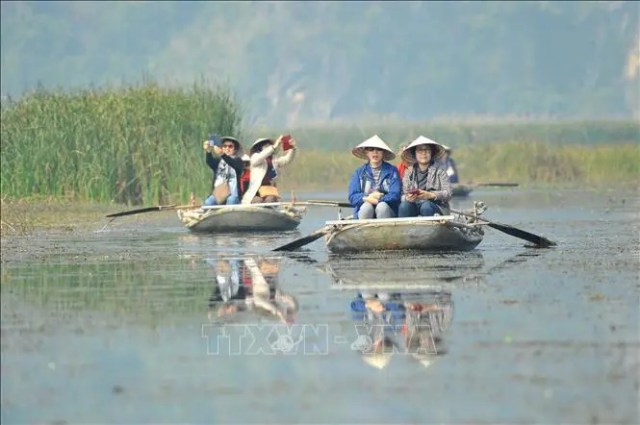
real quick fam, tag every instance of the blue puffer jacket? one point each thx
(390, 185)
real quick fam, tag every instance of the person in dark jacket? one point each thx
(375, 187)
(227, 168)
(449, 165)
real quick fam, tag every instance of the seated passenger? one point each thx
(425, 187)
(375, 187)
(227, 168)
(264, 169)
(449, 165)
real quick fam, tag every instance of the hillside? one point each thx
(296, 63)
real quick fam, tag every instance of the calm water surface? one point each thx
(144, 322)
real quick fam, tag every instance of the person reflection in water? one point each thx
(379, 315)
(410, 323)
(257, 291)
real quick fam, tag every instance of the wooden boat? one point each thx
(462, 232)
(440, 233)
(275, 216)
(461, 190)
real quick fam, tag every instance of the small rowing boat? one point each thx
(461, 190)
(460, 232)
(276, 216)
(440, 233)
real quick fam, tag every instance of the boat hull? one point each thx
(404, 234)
(241, 218)
(461, 190)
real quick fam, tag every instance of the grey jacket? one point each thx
(437, 182)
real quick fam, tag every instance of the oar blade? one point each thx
(131, 212)
(298, 243)
(149, 209)
(540, 241)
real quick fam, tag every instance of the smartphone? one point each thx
(286, 142)
(415, 192)
(214, 140)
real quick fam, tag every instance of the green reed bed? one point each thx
(525, 163)
(459, 134)
(134, 145)
(143, 145)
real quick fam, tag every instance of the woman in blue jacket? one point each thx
(375, 187)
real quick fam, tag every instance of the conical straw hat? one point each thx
(373, 142)
(409, 153)
(259, 142)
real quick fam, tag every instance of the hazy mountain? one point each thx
(298, 62)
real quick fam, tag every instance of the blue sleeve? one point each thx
(395, 187)
(355, 189)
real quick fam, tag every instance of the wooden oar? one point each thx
(264, 204)
(540, 241)
(305, 240)
(298, 243)
(204, 207)
(328, 203)
(150, 209)
(496, 184)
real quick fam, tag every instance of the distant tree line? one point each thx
(293, 63)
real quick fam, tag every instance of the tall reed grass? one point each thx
(143, 144)
(525, 163)
(140, 144)
(466, 134)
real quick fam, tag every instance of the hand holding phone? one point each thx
(414, 192)
(214, 140)
(286, 142)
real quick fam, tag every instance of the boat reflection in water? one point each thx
(412, 323)
(249, 285)
(402, 304)
(405, 269)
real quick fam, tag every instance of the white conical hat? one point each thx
(259, 142)
(425, 360)
(373, 142)
(409, 153)
(377, 360)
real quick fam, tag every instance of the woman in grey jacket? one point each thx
(425, 187)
